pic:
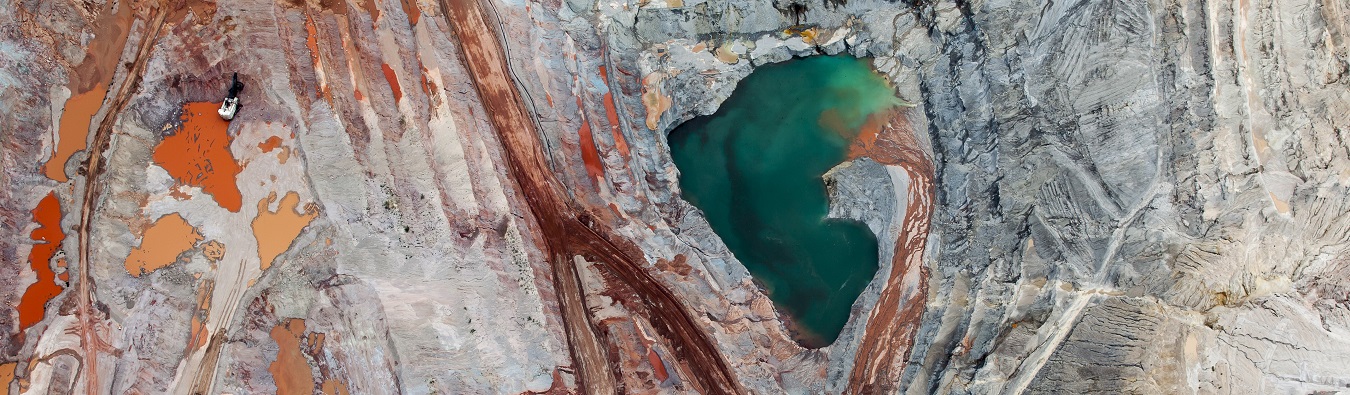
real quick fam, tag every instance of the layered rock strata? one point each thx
(477, 197)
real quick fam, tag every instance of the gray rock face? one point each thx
(1137, 197)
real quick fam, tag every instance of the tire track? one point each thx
(93, 168)
(567, 229)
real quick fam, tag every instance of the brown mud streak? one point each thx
(93, 188)
(566, 235)
(895, 320)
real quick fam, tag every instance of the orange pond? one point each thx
(74, 129)
(161, 245)
(33, 305)
(198, 154)
(290, 371)
(275, 230)
(6, 376)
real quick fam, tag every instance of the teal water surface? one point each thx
(754, 168)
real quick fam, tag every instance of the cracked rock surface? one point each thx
(1106, 196)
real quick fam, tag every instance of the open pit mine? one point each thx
(674, 197)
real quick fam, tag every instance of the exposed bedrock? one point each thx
(1144, 197)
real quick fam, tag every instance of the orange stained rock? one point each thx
(64, 276)
(74, 132)
(334, 387)
(48, 235)
(6, 376)
(426, 86)
(213, 251)
(657, 365)
(613, 116)
(198, 154)
(653, 100)
(312, 42)
(414, 13)
(163, 243)
(270, 144)
(589, 156)
(393, 81)
(369, 6)
(276, 230)
(290, 371)
(200, 334)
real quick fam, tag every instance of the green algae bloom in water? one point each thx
(755, 168)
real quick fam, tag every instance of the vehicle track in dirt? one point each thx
(567, 230)
(93, 189)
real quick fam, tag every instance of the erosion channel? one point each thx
(754, 168)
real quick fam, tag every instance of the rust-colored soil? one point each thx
(275, 230)
(213, 251)
(410, 9)
(200, 334)
(291, 370)
(48, 235)
(393, 81)
(569, 232)
(74, 132)
(589, 156)
(198, 154)
(653, 101)
(270, 144)
(163, 243)
(889, 139)
(657, 366)
(6, 376)
(91, 342)
(613, 114)
(334, 387)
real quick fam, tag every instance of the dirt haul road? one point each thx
(567, 233)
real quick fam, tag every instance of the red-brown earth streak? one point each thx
(895, 319)
(89, 339)
(567, 230)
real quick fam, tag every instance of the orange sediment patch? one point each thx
(276, 230)
(74, 132)
(369, 6)
(198, 154)
(312, 41)
(657, 365)
(653, 100)
(612, 113)
(414, 13)
(393, 81)
(865, 142)
(589, 156)
(89, 80)
(33, 304)
(213, 251)
(426, 85)
(6, 376)
(889, 139)
(163, 243)
(290, 371)
(270, 144)
(334, 387)
(200, 335)
(64, 274)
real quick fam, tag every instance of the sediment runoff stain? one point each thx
(754, 168)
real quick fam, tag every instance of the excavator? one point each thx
(231, 104)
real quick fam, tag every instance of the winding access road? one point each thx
(565, 233)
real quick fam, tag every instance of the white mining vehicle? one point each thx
(231, 104)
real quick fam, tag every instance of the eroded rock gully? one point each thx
(1104, 196)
